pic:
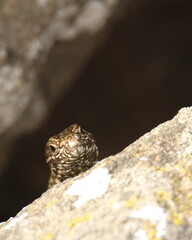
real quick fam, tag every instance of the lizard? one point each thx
(69, 153)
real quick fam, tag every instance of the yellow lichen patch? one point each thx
(183, 168)
(131, 202)
(83, 218)
(161, 169)
(176, 218)
(183, 201)
(51, 203)
(163, 196)
(185, 206)
(182, 196)
(179, 201)
(174, 215)
(151, 231)
(47, 236)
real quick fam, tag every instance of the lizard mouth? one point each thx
(48, 160)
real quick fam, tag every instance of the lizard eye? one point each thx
(77, 136)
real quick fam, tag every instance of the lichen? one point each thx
(51, 203)
(47, 236)
(178, 202)
(151, 231)
(83, 218)
(131, 202)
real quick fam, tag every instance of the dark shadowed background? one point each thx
(139, 77)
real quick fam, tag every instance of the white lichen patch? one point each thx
(143, 159)
(155, 215)
(13, 221)
(140, 235)
(90, 187)
(188, 150)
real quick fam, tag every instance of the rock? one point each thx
(29, 31)
(143, 192)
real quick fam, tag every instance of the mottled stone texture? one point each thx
(144, 192)
(28, 32)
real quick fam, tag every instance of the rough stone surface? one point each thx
(142, 193)
(29, 30)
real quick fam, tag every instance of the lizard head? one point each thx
(70, 152)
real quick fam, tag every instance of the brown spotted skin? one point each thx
(69, 153)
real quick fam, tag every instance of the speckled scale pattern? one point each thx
(69, 153)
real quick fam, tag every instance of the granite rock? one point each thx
(143, 192)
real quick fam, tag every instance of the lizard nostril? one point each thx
(52, 148)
